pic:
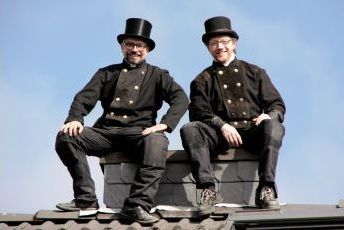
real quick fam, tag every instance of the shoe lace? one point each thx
(267, 193)
(208, 197)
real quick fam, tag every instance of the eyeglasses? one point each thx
(215, 44)
(131, 45)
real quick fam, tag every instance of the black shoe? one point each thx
(207, 204)
(137, 214)
(75, 205)
(267, 199)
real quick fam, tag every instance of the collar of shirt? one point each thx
(129, 65)
(231, 59)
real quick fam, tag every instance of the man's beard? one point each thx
(133, 62)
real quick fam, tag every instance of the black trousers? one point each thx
(202, 142)
(149, 151)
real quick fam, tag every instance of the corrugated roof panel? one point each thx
(289, 217)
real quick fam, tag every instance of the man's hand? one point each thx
(153, 129)
(231, 135)
(73, 128)
(260, 118)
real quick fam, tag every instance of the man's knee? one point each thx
(157, 139)
(189, 130)
(155, 150)
(63, 142)
(274, 128)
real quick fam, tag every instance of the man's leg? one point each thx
(146, 182)
(267, 138)
(199, 141)
(72, 150)
(273, 133)
(153, 148)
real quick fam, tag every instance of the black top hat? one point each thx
(137, 28)
(218, 26)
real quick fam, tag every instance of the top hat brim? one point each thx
(150, 42)
(207, 36)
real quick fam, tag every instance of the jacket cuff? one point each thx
(276, 115)
(170, 126)
(80, 119)
(217, 122)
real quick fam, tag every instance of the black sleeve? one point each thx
(200, 107)
(272, 101)
(85, 100)
(175, 96)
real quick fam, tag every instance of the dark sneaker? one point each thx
(208, 200)
(267, 198)
(75, 205)
(137, 214)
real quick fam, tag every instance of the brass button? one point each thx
(225, 86)
(244, 113)
(125, 70)
(220, 72)
(245, 122)
(131, 102)
(229, 101)
(142, 73)
(136, 87)
(118, 99)
(112, 114)
(236, 70)
(125, 116)
(233, 114)
(241, 99)
(235, 123)
(238, 84)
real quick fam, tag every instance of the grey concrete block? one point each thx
(226, 171)
(238, 192)
(235, 180)
(248, 171)
(178, 173)
(115, 194)
(120, 173)
(164, 195)
(185, 194)
(236, 171)
(250, 192)
(168, 194)
(112, 173)
(128, 171)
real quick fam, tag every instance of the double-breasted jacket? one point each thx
(234, 94)
(130, 97)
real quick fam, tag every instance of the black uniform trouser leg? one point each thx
(150, 150)
(147, 178)
(266, 140)
(72, 151)
(199, 141)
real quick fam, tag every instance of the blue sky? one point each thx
(50, 49)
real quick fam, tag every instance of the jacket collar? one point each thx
(217, 65)
(220, 65)
(128, 65)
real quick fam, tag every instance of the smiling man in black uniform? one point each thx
(130, 93)
(233, 104)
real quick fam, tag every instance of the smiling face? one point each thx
(222, 48)
(134, 50)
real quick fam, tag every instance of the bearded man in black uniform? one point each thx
(130, 93)
(233, 104)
